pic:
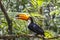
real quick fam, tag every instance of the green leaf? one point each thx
(40, 2)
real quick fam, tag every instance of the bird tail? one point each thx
(44, 38)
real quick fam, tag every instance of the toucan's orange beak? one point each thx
(22, 16)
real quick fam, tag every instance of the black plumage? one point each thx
(35, 28)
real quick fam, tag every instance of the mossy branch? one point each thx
(25, 35)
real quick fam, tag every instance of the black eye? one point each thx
(17, 16)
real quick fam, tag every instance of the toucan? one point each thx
(31, 25)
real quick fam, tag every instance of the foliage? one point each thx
(49, 34)
(14, 7)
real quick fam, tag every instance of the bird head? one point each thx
(22, 16)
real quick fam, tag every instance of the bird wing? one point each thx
(35, 28)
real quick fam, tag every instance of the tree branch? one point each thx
(24, 35)
(7, 18)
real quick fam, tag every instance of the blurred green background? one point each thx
(42, 12)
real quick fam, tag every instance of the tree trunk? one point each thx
(7, 18)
